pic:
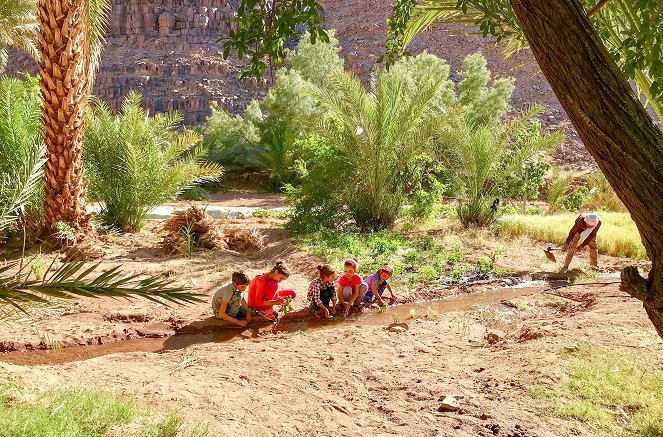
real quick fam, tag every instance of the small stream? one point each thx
(307, 322)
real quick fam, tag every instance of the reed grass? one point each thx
(618, 235)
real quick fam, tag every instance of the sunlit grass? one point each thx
(83, 412)
(613, 391)
(618, 235)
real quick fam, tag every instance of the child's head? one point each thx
(327, 272)
(385, 272)
(279, 272)
(240, 280)
(350, 267)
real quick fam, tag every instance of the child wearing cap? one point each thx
(586, 226)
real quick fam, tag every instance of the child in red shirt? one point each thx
(264, 293)
(351, 288)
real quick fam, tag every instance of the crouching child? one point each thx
(228, 302)
(321, 292)
(377, 283)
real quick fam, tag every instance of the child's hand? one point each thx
(248, 317)
(241, 323)
(326, 312)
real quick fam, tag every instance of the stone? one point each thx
(449, 403)
(398, 327)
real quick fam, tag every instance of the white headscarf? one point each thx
(592, 219)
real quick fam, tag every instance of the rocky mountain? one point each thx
(168, 50)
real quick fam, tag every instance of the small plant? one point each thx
(38, 266)
(286, 307)
(189, 245)
(397, 318)
(65, 234)
(383, 308)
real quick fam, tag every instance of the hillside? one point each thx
(167, 50)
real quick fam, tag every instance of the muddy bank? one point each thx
(211, 330)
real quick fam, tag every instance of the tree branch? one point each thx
(597, 8)
(634, 284)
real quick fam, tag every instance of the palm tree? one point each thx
(70, 40)
(379, 134)
(18, 28)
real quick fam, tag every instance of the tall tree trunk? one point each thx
(64, 86)
(620, 135)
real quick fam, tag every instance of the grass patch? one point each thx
(83, 412)
(264, 213)
(62, 412)
(615, 392)
(416, 261)
(618, 235)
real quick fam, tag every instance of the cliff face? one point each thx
(167, 50)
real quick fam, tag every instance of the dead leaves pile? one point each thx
(193, 228)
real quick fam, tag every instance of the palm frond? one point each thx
(136, 162)
(18, 27)
(73, 279)
(97, 14)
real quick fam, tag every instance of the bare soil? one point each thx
(307, 376)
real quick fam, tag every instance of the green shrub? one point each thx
(573, 202)
(136, 162)
(559, 185)
(379, 150)
(196, 193)
(316, 62)
(21, 148)
(484, 159)
(234, 141)
(601, 196)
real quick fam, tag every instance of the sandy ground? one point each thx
(344, 377)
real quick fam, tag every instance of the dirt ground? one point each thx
(342, 377)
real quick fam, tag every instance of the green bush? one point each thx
(573, 202)
(234, 141)
(379, 149)
(266, 137)
(21, 148)
(136, 162)
(601, 196)
(196, 193)
(485, 157)
(559, 185)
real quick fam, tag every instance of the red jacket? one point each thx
(261, 289)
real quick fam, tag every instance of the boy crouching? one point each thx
(228, 302)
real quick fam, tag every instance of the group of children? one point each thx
(324, 292)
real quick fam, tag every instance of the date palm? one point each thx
(18, 28)
(70, 40)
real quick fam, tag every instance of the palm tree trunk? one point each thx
(64, 85)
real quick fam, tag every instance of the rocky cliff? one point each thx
(167, 50)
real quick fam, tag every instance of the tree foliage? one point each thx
(371, 161)
(18, 28)
(265, 28)
(483, 158)
(21, 148)
(632, 30)
(72, 279)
